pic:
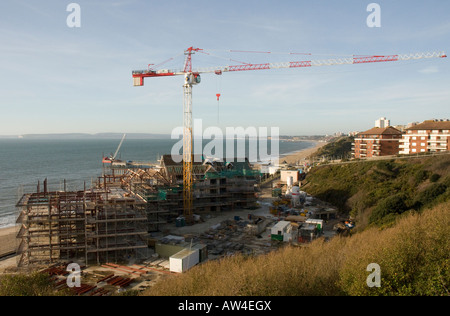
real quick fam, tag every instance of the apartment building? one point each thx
(382, 123)
(429, 136)
(377, 142)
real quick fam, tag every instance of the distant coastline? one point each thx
(87, 136)
(82, 136)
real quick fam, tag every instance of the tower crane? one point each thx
(112, 158)
(192, 77)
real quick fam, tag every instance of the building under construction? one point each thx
(110, 222)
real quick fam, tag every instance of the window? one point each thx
(422, 132)
(414, 150)
(435, 131)
(414, 138)
(422, 138)
(414, 144)
(423, 144)
(422, 150)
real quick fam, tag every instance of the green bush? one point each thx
(421, 176)
(435, 177)
(430, 194)
(394, 204)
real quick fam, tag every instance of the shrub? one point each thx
(394, 204)
(435, 177)
(421, 176)
(429, 195)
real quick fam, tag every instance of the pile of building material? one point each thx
(237, 236)
(104, 286)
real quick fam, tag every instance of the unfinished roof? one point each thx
(382, 131)
(168, 160)
(432, 125)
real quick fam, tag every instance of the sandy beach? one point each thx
(7, 240)
(302, 155)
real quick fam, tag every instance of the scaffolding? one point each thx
(110, 222)
(91, 226)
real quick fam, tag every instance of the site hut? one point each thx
(307, 232)
(178, 252)
(317, 222)
(281, 230)
(184, 260)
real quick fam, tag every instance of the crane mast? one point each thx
(193, 78)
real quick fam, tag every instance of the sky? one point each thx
(60, 79)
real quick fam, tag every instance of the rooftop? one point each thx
(382, 131)
(430, 125)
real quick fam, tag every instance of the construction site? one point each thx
(112, 221)
(139, 218)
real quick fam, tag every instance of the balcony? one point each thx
(438, 147)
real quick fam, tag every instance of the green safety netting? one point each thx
(232, 174)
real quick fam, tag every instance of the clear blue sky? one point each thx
(56, 79)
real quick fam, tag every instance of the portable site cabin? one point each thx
(307, 233)
(184, 260)
(317, 222)
(280, 230)
(310, 230)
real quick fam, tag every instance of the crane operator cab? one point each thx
(192, 78)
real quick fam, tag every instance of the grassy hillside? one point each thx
(379, 191)
(35, 284)
(339, 148)
(414, 256)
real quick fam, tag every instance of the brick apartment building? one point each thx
(429, 136)
(377, 142)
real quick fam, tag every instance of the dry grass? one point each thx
(413, 256)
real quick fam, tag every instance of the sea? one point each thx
(77, 162)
